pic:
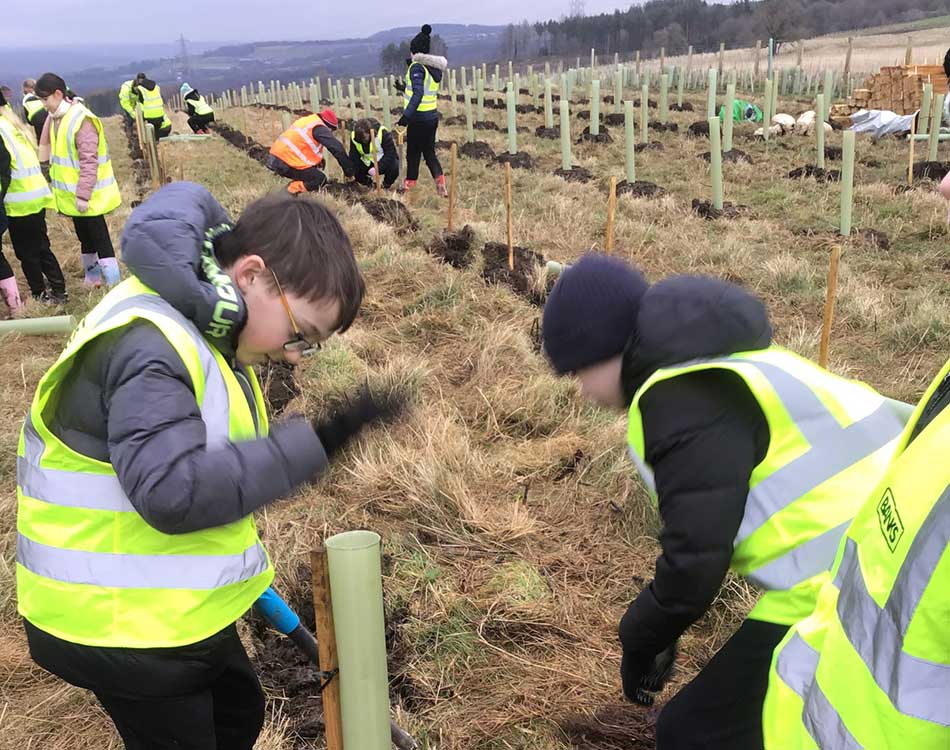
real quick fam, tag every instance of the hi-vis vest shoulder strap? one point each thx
(89, 568)
(152, 104)
(366, 154)
(870, 668)
(430, 91)
(64, 166)
(830, 442)
(28, 192)
(297, 147)
(32, 104)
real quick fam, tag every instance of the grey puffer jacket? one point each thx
(129, 400)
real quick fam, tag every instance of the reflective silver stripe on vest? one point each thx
(800, 563)
(60, 185)
(833, 448)
(74, 163)
(293, 147)
(646, 473)
(102, 492)
(23, 173)
(796, 665)
(27, 196)
(915, 686)
(307, 135)
(139, 571)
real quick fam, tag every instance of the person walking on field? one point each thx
(81, 176)
(147, 450)
(420, 115)
(757, 459)
(25, 196)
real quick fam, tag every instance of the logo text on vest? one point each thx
(891, 525)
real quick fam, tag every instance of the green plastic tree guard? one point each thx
(935, 126)
(644, 114)
(595, 107)
(715, 162)
(680, 81)
(820, 129)
(711, 93)
(728, 122)
(512, 126)
(618, 90)
(629, 143)
(353, 560)
(480, 93)
(847, 181)
(565, 134)
(38, 326)
(664, 98)
(548, 108)
(925, 102)
(767, 101)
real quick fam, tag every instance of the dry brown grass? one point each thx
(515, 532)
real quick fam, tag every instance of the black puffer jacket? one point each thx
(129, 399)
(704, 433)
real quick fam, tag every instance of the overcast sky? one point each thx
(28, 23)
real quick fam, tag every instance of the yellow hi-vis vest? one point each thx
(152, 104)
(870, 668)
(89, 568)
(366, 154)
(830, 441)
(125, 97)
(32, 104)
(201, 106)
(28, 192)
(430, 90)
(64, 166)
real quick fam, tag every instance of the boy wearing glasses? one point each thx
(147, 450)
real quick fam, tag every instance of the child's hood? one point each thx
(167, 244)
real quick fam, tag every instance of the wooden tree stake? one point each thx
(611, 213)
(453, 159)
(829, 306)
(326, 641)
(511, 245)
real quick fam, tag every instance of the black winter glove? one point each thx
(402, 122)
(400, 84)
(349, 419)
(641, 678)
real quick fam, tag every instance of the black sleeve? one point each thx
(389, 145)
(324, 136)
(704, 434)
(5, 169)
(160, 454)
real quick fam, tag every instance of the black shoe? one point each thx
(54, 299)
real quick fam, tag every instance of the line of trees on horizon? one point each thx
(677, 24)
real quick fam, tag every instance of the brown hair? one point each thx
(49, 83)
(306, 247)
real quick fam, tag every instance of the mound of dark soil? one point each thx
(699, 129)
(602, 137)
(931, 170)
(640, 189)
(833, 153)
(457, 120)
(584, 114)
(455, 248)
(651, 104)
(615, 119)
(685, 107)
(526, 109)
(668, 127)
(279, 385)
(391, 212)
(551, 134)
(821, 175)
(521, 160)
(651, 146)
(485, 125)
(706, 210)
(574, 174)
(477, 150)
(734, 156)
(496, 271)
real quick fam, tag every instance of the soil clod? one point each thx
(520, 160)
(640, 189)
(602, 137)
(551, 134)
(821, 175)
(931, 170)
(734, 156)
(455, 248)
(477, 150)
(391, 212)
(522, 278)
(574, 174)
(706, 210)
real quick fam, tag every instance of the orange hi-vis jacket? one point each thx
(296, 146)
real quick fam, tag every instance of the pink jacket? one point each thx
(87, 146)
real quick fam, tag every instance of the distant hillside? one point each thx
(235, 64)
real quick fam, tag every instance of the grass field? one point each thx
(514, 529)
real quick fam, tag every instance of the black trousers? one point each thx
(31, 245)
(204, 696)
(388, 171)
(93, 234)
(313, 178)
(200, 122)
(160, 132)
(721, 709)
(420, 143)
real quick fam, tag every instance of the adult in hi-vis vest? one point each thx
(200, 114)
(870, 668)
(420, 114)
(81, 176)
(756, 459)
(33, 109)
(298, 152)
(147, 449)
(128, 100)
(365, 149)
(149, 94)
(25, 196)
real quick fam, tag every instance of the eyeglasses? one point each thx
(298, 343)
